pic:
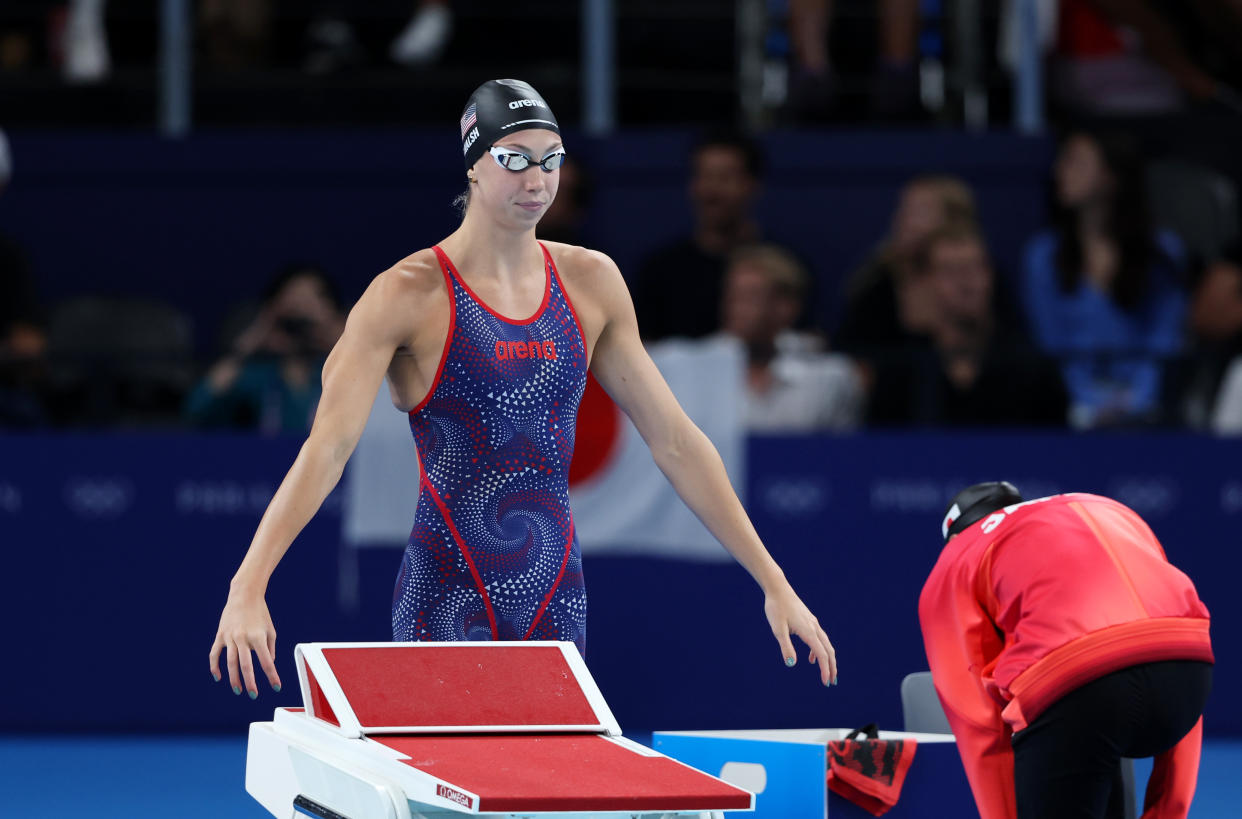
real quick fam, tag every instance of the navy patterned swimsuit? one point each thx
(493, 554)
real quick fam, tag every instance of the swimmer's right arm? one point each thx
(377, 326)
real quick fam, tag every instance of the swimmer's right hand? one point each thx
(245, 627)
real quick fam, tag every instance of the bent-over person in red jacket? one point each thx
(1060, 640)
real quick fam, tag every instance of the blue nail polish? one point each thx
(276, 688)
(254, 695)
(217, 676)
(236, 690)
(789, 661)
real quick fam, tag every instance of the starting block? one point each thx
(437, 730)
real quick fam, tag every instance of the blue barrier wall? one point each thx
(117, 551)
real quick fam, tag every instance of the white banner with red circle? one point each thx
(621, 501)
(622, 504)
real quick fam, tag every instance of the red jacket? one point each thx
(1038, 599)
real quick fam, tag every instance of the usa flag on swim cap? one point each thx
(468, 119)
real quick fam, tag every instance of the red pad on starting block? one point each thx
(465, 687)
(566, 772)
(391, 730)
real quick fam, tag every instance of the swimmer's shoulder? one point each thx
(417, 275)
(586, 270)
(412, 284)
(403, 299)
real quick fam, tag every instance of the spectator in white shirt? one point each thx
(1227, 417)
(791, 385)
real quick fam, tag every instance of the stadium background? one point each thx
(119, 534)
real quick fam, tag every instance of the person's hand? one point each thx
(787, 615)
(262, 335)
(245, 627)
(320, 318)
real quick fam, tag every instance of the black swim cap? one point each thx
(498, 108)
(976, 502)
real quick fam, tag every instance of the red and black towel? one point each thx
(867, 770)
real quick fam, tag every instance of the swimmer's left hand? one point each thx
(787, 615)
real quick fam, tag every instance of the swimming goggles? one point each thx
(516, 161)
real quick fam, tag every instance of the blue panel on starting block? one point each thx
(788, 770)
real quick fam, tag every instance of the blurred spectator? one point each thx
(812, 83)
(1216, 306)
(1215, 323)
(678, 288)
(18, 38)
(565, 219)
(790, 387)
(1125, 57)
(333, 43)
(271, 380)
(1101, 288)
(236, 34)
(425, 36)
(1227, 415)
(973, 365)
(84, 53)
(23, 340)
(70, 36)
(885, 303)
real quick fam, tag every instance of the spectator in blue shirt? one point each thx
(1101, 288)
(270, 379)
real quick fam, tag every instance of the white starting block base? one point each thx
(422, 730)
(295, 757)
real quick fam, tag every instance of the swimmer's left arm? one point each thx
(687, 457)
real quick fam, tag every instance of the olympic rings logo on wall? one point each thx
(99, 497)
(796, 497)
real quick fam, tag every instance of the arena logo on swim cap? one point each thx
(516, 104)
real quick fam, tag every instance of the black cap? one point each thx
(498, 108)
(974, 503)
